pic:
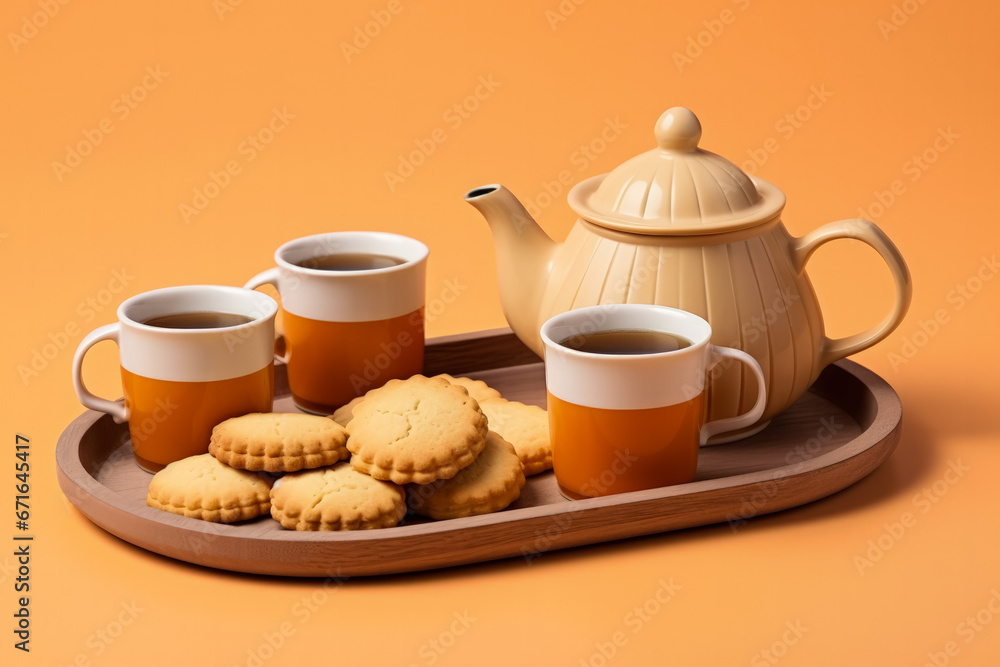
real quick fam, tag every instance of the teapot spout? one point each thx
(524, 256)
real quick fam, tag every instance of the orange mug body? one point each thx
(323, 375)
(213, 361)
(599, 451)
(171, 420)
(352, 311)
(622, 419)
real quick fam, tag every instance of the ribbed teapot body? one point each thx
(743, 283)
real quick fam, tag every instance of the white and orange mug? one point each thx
(178, 383)
(628, 422)
(348, 329)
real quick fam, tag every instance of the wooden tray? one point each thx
(839, 431)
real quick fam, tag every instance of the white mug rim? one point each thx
(268, 310)
(421, 252)
(557, 320)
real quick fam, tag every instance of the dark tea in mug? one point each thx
(626, 341)
(198, 320)
(351, 261)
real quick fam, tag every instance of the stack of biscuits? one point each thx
(441, 447)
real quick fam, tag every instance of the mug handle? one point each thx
(269, 277)
(868, 232)
(747, 418)
(117, 409)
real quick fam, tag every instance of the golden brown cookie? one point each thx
(344, 414)
(493, 481)
(203, 488)
(477, 389)
(524, 426)
(337, 498)
(278, 442)
(416, 430)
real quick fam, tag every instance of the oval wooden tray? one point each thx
(839, 431)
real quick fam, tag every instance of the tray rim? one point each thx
(885, 424)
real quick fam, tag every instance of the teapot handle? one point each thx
(867, 232)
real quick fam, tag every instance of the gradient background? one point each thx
(892, 91)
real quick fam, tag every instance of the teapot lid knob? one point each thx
(678, 129)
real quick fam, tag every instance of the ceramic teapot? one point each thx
(680, 226)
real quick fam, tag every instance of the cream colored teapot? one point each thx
(680, 226)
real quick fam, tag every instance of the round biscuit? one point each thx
(336, 498)
(491, 483)
(416, 430)
(201, 487)
(524, 426)
(279, 442)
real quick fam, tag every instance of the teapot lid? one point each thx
(676, 188)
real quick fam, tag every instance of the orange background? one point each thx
(891, 92)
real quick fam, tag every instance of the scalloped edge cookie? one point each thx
(477, 389)
(491, 483)
(524, 426)
(345, 413)
(201, 487)
(416, 430)
(279, 442)
(336, 498)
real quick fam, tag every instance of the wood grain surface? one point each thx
(844, 427)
